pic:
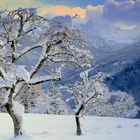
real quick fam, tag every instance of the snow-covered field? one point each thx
(53, 127)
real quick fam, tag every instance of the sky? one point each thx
(75, 3)
(118, 14)
(113, 10)
(37, 3)
(40, 3)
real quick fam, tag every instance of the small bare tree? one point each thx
(22, 32)
(85, 93)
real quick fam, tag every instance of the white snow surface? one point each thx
(54, 127)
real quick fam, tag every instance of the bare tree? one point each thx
(23, 31)
(85, 93)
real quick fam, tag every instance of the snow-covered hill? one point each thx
(53, 127)
(127, 80)
(110, 63)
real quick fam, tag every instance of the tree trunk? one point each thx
(78, 125)
(17, 120)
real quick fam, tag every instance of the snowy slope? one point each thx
(127, 80)
(111, 63)
(53, 127)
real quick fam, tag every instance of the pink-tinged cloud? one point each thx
(94, 12)
(61, 10)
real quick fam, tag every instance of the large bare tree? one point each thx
(23, 32)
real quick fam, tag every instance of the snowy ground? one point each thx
(53, 127)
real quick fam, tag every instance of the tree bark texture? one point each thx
(17, 120)
(77, 119)
(78, 126)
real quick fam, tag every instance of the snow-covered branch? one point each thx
(40, 62)
(42, 79)
(2, 72)
(26, 50)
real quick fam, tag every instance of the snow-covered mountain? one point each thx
(110, 63)
(104, 35)
(127, 80)
(118, 60)
(65, 21)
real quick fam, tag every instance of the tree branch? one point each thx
(26, 50)
(46, 49)
(46, 78)
(39, 63)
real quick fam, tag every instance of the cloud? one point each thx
(61, 10)
(122, 12)
(94, 12)
(54, 10)
(117, 21)
(127, 12)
